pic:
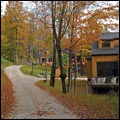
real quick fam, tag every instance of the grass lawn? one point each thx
(88, 106)
(7, 98)
(36, 69)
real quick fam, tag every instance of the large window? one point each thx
(107, 69)
(106, 44)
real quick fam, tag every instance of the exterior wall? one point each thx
(100, 44)
(48, 64)
(89, 68)
(116, 42)
(96, 59)
(112, 43)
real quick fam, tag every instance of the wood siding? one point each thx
(89, 68)
(96, 59)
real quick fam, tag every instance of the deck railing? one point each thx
(108, 80)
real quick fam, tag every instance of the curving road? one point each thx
(32, 102)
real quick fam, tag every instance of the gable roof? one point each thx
(109, 36)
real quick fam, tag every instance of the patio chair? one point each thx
(93, 81)
(101, 80)
(108, 79)
(113, 80)
(117, 79)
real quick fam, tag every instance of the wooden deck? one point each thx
(104, 88)
(96, 84)
(104, 85)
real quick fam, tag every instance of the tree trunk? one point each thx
(75, 74)
(70, 70)
(62, 72)
(52, 77)
(45, 68)
(16, 54)
(32, 62)
(11, 54)
(81, 64)
(32, 70)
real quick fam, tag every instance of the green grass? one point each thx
(86, 105)
(4, 63)
(114, 100)
(36, 69)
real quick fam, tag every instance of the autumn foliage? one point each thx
(25, 33)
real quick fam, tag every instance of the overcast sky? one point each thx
(3, 4)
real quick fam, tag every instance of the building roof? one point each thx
(111, 51)
(109, 35)
(97, 51)
(89, 57)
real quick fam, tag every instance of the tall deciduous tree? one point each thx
(59, 25)
(13, 28)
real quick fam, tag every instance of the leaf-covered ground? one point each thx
(7, 97)
(7, 93)
(89, 106)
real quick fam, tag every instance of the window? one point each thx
(78, 58)
(50, 59)
(107, 69)
(106, 44)
(43, 59)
